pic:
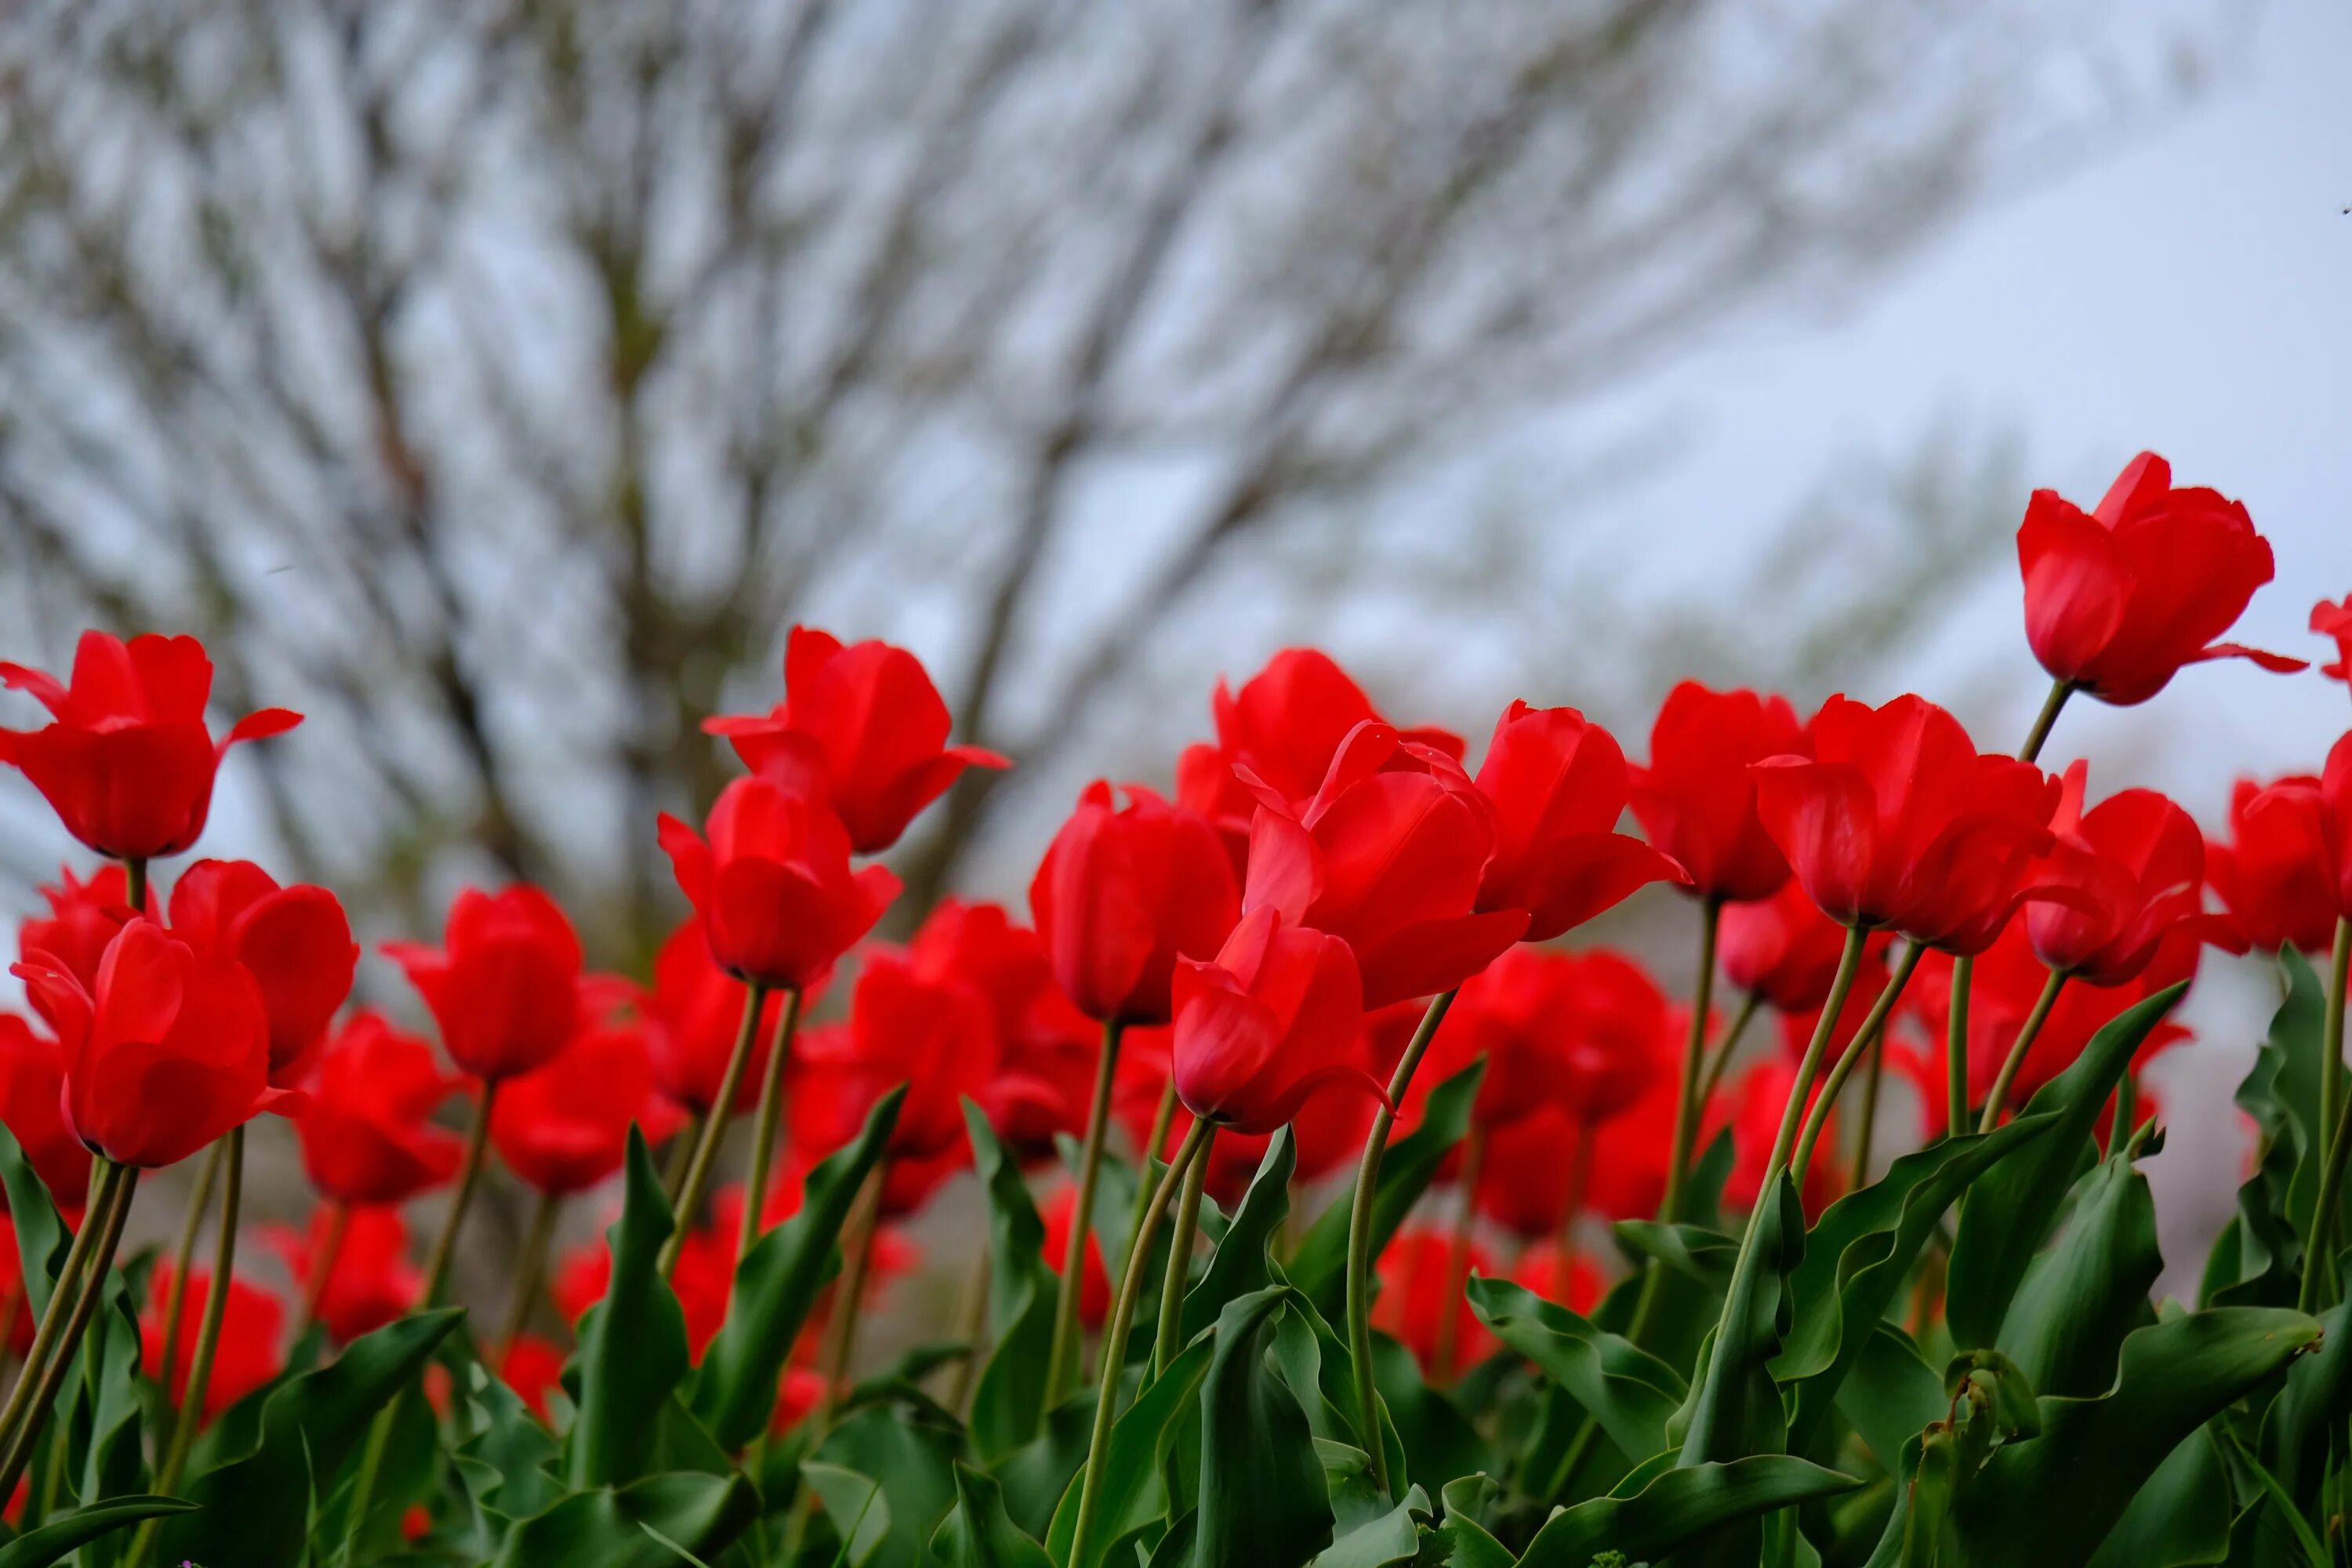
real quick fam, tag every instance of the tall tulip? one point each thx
(295, 942)
(368, 1136)
(83, 918)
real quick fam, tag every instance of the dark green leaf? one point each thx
(2180, 1518)
(2257, 1261)
(1035, 1476)
(1243, 1260)
(1428, 1433)
(1009, 1401)
(978, 1534)
(2313, 1403)
(1388, 1538)
(1891, 1394)
(1467, 1541)
(607, 1527)
(1319, 1268)
(1133, 1492)
(1681, 1505)
(1262, 1494)
(2083, 1295)
(778, 1283)
(855, 1506)
(633, 1346)
(54, 1541)
(1692, 1251)
(1734, 1407)
(42, 1239)
(2009, 1212)
(1631, 1393)
(914, 1459)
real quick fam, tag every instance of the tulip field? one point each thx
(1347, 1202)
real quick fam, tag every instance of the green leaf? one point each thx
(1382, 1541)
(2052, 1499)
(2313, 1403)
(255, 1506)
(2011, 1209)
(860, 1514)
(1693, 1251)
(1463, 1534)
(1892, 1394)
(1262, 1493)
(777, 1284)
(1427, 1432)
(1009, 1401)
(608, 1526)
(1319, 1270)
(42, 1239)
(633, 1346)
(1243, 1260)
(1630, 1392)
(913, 1456)
(1036, 1476)
(2082, 1296)
(2256, 1262)
(1132, 1492)
(1734, 1407)
(2180, 1518)
(978, 1534)
(52, 1542)
(2297, 1030)
(1681, 1505)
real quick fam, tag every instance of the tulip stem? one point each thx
(469, 1177)
(184, 1257)
(1359, 1237)
(323, 1264)
(714, 1130)
(681, 1154)
(46, 1333)
(1163, 1118)
(1168, 1342)
(763, 1129)
(1955, 1048)
(103, 1221)
(840, 1335)
(134, 880)
(1998, 1100)
(2059, 692)
(972, 1327)
(1872, 1031)
(1062, 1358)
(2127, 1107)
(1580, 1183)
(2315, 1270)
(531, 1272)
(1687, 1101)
(209, 1331)
(1749, 1005)
(1457, 1253)
(1115, 1332)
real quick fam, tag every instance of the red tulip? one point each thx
(83, 918)
(1059, 1210)
(1387, 857)
(169, 1052)
(2118, 600)
(2334, 620)
(249, 1353)
(1538, 1270)
(1757, 1100)
(860, 727)
(1415, 1295)
(370, 1280)
(1207, 787)
(1782, 948)
(1277, 1014)
(565, 1127)
(1899, 822)
(1797, 1025)
(1558, 784)
(505, 987)
(1284, 725)
(1697, 800)
(935, 1035)
(368, 1136)
(704, 1277)
(1327, 1132)
(32, 1077)
(534, 1369)
(1585, 1031)
(796, 1397)
(2277, 874)
(1048, 1049)
(2135, 863)
(773, 886)
(1524, 1185)
(127, 765)
(295, 942)
(1122, 893)
(695, 1009)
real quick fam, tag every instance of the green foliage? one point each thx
(1412, 1162)
(60, 1537)
(633, 1346)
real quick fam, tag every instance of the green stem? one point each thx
(184, 1257)
(106, 1223)
(1114, 1332)
(1161, 1120)
(531, 1271)
(50, 1328)
(322, 1266)
(1359, 1237)
(469, 1177)
(1749, 1005)
(1867, 1128)
(1062, 1355)
(681, 1154)
(1168, 1342)
(1998, 1100)
(714, 1128)
(134, 876)
(1955, 1048)
(1457, 1253)
(763, 1129)
(2339, 1143)
(1872, 1028)
(1687, 1102)
(2127, 1107)
(209, 1331)
(2059, 692)
(840, 1338)
(971, 1321)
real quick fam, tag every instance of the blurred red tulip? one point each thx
(2334, 620)
(797, 1395)
(695, 1009)
(1898, 821)
(367, 1134)
(1415, 1295)
(2136, 864)
(533, 1368)
(127, 765)
(1523, 1185)
(295, 942)
(168, 1053)
(1284, 725)
(2281, 873)
(83, 918)
(860, 727)
(2118, 599)
(1697, 800)
(1058, 1208)
(1326, 1134)
(1048, 1049)
(704, 1277)
(1123, 892)
(249, 1353)
(1277, 1014)
(32, 1077)
(565, 1127)
(505, 987)
(1585, 1031)
(1538, 1270)
(370, 1280)
(772, 887)
(1782, 948)
(1756, 1103)
(936, 1036)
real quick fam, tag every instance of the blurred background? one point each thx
(497, 382)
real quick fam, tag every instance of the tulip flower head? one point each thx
(534, 1369)
(2333, 621)
(504, 986)
(1696, 799)
(564, 1126)
(295, 942)
(128, 764)
(2281, 873)
(1783, 948)
(83, 918)
(2118, 600)
(772, 884)
(32, 1074)
(248, 1354)
(1287, 721)
(861, 727)
(2135, 866)
(933, 1033)
(1416, 1294)
(1583, 1031)
(1277, 1014)
(370, 1280)
(693, 1012)
(367, 1133)
(1048, 1049)
(1578, 1287)
(1058, 1211)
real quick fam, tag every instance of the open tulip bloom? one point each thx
(1311, 1174)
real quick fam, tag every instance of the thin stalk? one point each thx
(1955, 1048)
(469, 1177)
(681, 1154)
(1062, 1354)
(763, 1129)
(322, 1266)
(1170, 1340)
(50, 1328)
(2059, 692)
(1457, 1254)
(134, 876)
(1865, 1132)
(1749, 1005)
(1161, 1120)
(2127, 1107)
(1114, 1332)
(184, 1257)
(1998, 1100)
(971, 1327)
(1580, 1183)
(200, 1365)
(1687, 1102)
(1360, 1236)
(531, 1272)
(1873, 1029)
(2339, 1144)
(107, 1223)
(714, 1129)
(840, 1336)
